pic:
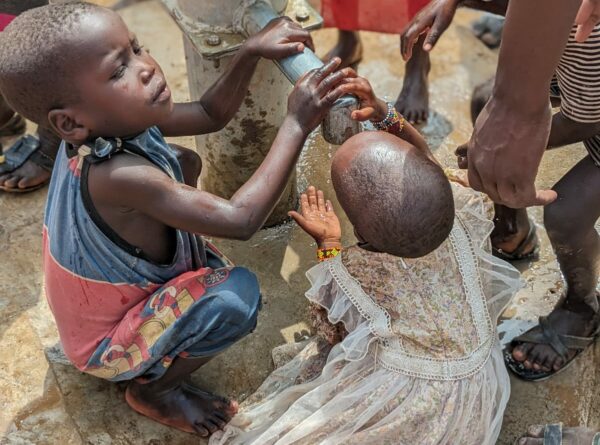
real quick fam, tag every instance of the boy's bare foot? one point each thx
(570, 436)
(183, 407)
(413, 101)
(576, 319)
(348, 48)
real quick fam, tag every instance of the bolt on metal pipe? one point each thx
(337, 125)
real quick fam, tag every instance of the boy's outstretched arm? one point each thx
(131, 183)
(280, 38)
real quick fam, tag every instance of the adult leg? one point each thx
(570, 223)
(413, 101)
(348, 48)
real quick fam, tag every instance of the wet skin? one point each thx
(122, 93)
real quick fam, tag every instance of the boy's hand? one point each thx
(315, 93)
(318, 219)
(371, 107)
(280, 38)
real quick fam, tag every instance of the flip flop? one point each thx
(545, 334)
(518, 254)
(553, 435)
(26, 148)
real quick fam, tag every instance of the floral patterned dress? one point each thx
(421, 363)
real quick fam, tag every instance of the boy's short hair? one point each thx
(398, 200)
(35, 67)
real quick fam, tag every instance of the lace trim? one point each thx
(390, 353)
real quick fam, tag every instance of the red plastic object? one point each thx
(390, 16)
(5, 19)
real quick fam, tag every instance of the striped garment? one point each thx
(577, 82)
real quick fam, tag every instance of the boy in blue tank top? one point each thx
(136, 293)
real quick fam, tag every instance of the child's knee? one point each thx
(241, 306)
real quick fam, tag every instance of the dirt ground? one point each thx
(44, 400)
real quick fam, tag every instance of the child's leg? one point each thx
(348, 48)
(169, 400)
(171, 334)
(413, 101)
(570, 224)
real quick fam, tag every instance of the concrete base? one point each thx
(232, 155)
(43, 400)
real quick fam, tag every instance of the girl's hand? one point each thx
(318, 219)
(371, 107)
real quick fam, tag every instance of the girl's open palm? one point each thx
(317, 217)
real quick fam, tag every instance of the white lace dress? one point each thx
(421, 364)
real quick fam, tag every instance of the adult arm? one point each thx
(511, 133)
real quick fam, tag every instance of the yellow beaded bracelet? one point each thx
(326, 254)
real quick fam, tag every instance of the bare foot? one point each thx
(26, 176)
(348, 48)
(571, 436)
(413, 101)
(183, 407)
(576, 319)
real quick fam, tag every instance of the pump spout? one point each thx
(337, 126)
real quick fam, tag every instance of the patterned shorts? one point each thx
(197, 314)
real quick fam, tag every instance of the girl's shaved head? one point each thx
(398, 200)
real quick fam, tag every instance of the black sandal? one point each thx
(25, 149)
(545, 334)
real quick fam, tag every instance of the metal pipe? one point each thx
(337, 125)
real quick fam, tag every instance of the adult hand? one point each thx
(504, 154)
(587, 18)
(315, 93)
(280, 38)
(433, 19)
(318, 219)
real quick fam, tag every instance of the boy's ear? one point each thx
(65, 123)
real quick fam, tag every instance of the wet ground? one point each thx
(44, 400)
